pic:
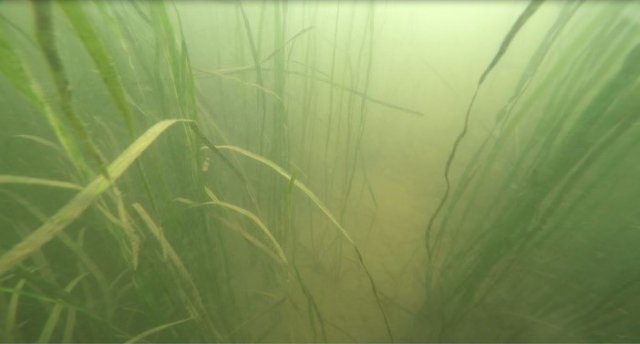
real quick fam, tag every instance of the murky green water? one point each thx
(319, 171)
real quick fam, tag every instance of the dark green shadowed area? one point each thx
(319, 171)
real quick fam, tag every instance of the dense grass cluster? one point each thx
(536, 241)
(127, 216)
(151, 193)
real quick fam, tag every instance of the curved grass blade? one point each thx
(255, 219)
(74, 208)
(10, 179)
(155, 330)
(39, 140)
(253, 240)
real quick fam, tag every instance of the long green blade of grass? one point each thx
(72, 210)
(70, 324)
(9, 179)
(12, 311)
(40, 141)
(262, 104)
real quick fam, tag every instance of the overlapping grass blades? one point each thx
(312, 196)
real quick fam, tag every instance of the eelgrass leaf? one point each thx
(278, 256)
(257, 86)
(513, 31)
(88, 313)
(302, 187)
(154, 330)
(10, 179)
(538, 56)
(12, 68)
(29, 294)
(327, 213)
(132, 235)
(471, 171)
(257, 315)
(167, 250)
(253, 240)
(262, 104)
(44, 29)
(263, 228)
(506, 42)
(93, 268)
(70, 324)
(40, 140)
(74, 208)
(250, 238)
(54, 315)
(369, 98)
(12, 311)
(93, 44)
(83, 257)
(199, 310)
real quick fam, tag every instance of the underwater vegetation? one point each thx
(228, 172)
